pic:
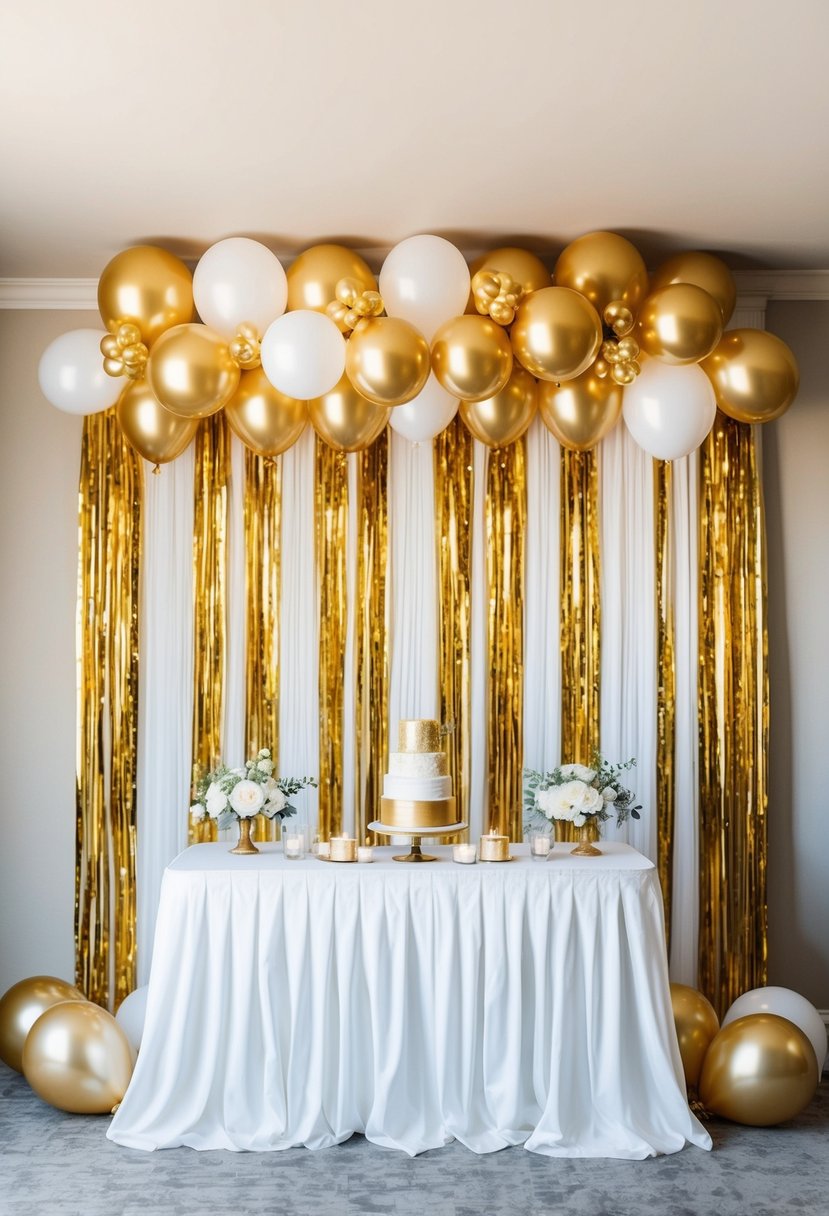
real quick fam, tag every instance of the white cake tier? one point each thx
(425, 789)
(418, 764)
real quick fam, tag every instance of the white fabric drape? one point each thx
(478, 671)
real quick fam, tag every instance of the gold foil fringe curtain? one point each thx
(666, 687)
(580, 606)
(331, 508)
(107, 647)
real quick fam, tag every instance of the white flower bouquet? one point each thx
(578, 793)
(226, 793)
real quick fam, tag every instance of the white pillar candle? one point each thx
(463, 854)
(343, 848)
(365, 853)
(494, 847)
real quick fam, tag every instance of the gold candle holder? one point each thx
(343, 848)
(494, 847)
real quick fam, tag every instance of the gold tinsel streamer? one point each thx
(371, 666)
(107, 645)
(331, 508)
(506, 524)
(733, 716)
(454, 483)
(666, 687)
(212, 481)
(263, 515)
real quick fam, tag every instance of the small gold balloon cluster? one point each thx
(244, 349)
(124, 352)
(496, 295)
(353, 304)
(618, 355)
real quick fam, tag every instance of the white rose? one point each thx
(216, 801)
(545, 801)
(587, 801)
(197, 812)
(246, 799)
(562, 800)
(579, 821)
(609, 794)
(578, 771)
(276, 800)
(265, 766)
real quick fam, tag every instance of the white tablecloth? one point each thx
(297, 1002)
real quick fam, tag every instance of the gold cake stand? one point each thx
(416, 835)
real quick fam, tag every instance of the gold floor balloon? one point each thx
(472, 357)
(557, 334)
(77, 1058)
(147, 286)
(679, 324)
(580, 412)
(346, 420)
(500, 420)
(20, 1008)
(703, 270)
(755, 375)
(313, 277)
(155, 433)
(265, 420)
(523, 267)
(191, 371)
(604, 267)
(387, 360)
(759, 1070)
(696, 1025)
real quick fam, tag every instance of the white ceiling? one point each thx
(703, 125)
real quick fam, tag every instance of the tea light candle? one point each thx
(365, 853)
(343, 848)
(463, 854)
(494, 847)
(540, 845)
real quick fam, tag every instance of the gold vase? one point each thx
(585, 847)
(245, 845)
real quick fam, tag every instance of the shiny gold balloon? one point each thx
(759, 1070)
(153, 431)
(679, 324)
(500, 420)
(77, 1058)
(148, 287)
(580, 412)
(265, 420)
(472, 357)
(605, 268)
(696, 1025)
(387, 360)
(755, 375)
(346, 420)
(703, 270)
(557, 334)
(20, 1008)
(313, 277)
(192, 372)
(522, 267)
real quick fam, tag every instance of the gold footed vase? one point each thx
(585, 847)
(245, 845)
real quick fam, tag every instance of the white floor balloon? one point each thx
(786, 1004)
(131, 1014)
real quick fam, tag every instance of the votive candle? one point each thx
(494, 847)
(365, 853)
(323, 848)
(464, 854)
(540, 845)
(294, 847)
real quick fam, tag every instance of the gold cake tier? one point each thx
(418, 735)
(418, 813)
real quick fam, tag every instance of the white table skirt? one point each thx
(296, 1003)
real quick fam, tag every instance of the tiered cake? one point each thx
(417, 789)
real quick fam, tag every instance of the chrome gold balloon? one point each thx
(313, 277)
(703, 270)
(759, 1070)
(155, 433)
(148, 287)
(352, 304)
(192, 372)
(754, 374)
(77, 1058)
(472, 357)
(557, 334)
(696, 1025)
(245, 348)
(497, 295)
(20, 1008)
(521, 266)
(346, 420)
(124, 352)
(619, 318)
(679, 324)
(503, 418)
(387, 360)
(580, 412)
(265, 420)
(605, 268)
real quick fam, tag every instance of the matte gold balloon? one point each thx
(148, 287)
(703, 270)
(20, 1008)
(153, 431)
(605, 268)
(502, 419)
(696, 1025)
(77, 1058)
(346, 420)
(557, 334)
(580, 412)
(191, 371)
(755, 375)
(524, 267)
(313, 277)
(679, 324)
(759, 1070)
(472, 357)
(265, 420)
(387, 360)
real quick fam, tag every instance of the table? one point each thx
(298, 1002)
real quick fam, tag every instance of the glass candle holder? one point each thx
(540, 845)
(293, 843)
(365, 853)
(464, 854)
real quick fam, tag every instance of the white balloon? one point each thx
(669, 410)
(786, 1004)
(237, 282)
(303, 354)
(131, 1014)
(425, 280)
(72, 377)
(427, 414)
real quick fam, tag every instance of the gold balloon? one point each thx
(755, 375)
(521, 266)
(759, 1070)
(192, 372)
(20, 1008)
(265, 420)
(557, 334)
(153, 431)
(500, 420)
(472, 357)
(147, 287)
(679, 324)
(346, 420)
(605, 268)
(703, 270)
(387, 360)
(313, 277)
(77, 1058)
(696, 1025)
(580, 412)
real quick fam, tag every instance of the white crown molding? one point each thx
(782, 284)
(79, 294)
